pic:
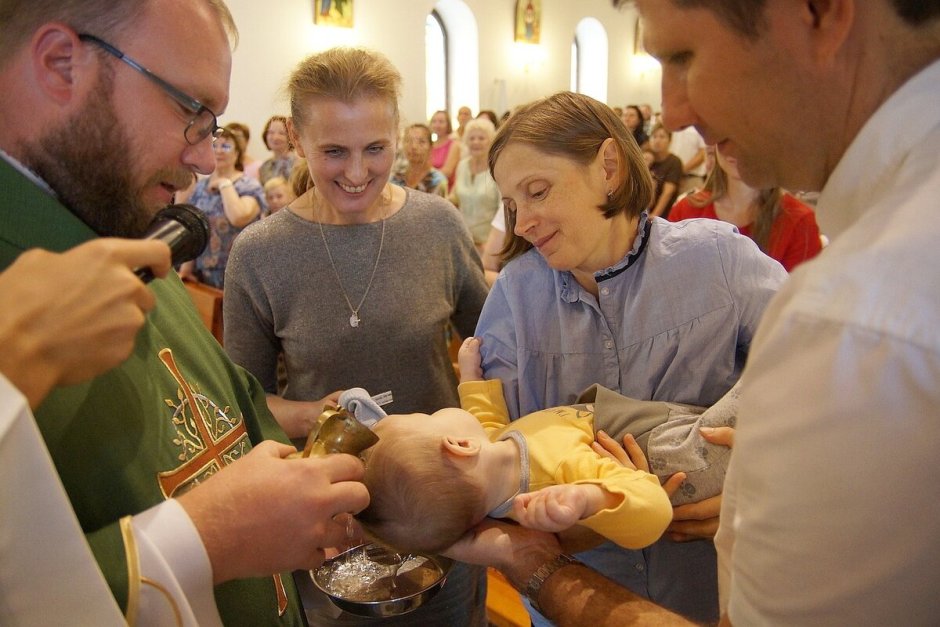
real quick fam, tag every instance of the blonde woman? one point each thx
(475, 192)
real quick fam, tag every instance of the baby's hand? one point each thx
(554, 508)
(468, 360)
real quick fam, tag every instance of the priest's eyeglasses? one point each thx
(204, 122)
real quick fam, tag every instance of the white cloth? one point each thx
(686, 144)
(831, 514)
(499, 219)
(48, 575)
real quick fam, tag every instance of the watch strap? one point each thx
(541, 575)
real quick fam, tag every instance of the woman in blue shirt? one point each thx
(595, 291)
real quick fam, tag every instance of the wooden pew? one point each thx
(208, 301)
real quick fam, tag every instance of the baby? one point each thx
(432, 478)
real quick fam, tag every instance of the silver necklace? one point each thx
(354, 319)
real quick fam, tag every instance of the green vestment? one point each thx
(172, 414)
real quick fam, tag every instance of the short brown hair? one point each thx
(574, 126)
(420, 501)
(267, 126)
(227, 133)
(747, 17)
(19, 19)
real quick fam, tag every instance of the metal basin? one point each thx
(373, 581)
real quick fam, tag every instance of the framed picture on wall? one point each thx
(528, 21)
(333, 13)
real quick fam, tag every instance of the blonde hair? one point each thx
(420, 501)
(275, 181)
(575, 126)
(481, 124)
(345, 74)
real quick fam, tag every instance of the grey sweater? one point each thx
(281, 294)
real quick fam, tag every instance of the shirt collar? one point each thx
(570, 289)
(875, 156)
(32, 176)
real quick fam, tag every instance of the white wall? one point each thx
(276, 34)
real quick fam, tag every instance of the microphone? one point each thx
(183, 228)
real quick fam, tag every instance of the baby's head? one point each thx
(277, 193)
(420, 476)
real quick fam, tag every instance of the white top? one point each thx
(48, 575)
(831, 513)
(685, 144)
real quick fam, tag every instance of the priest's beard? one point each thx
(88, 161)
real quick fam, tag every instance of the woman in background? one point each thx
(632, 118)
(283, 156)
(475, 192)
(417, 171)
(666, 169)
(782, 226)
(243, 134)
(230, 201)
(445, 151)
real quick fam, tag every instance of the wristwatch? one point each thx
(543, 572)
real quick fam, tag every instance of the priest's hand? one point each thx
(68, 317)
(266, 514)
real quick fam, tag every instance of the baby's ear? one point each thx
(461, 447)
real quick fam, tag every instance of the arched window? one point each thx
(453, 60)
(589, 59)
(435, 64)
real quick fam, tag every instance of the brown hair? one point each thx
(450, 126)
(748, 18)
(768, 204)
(574, 126)
(267, 126)
(240, 129)
(420, 501)
(19, 19)
(227, 133)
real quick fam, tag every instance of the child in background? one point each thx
(431, 478)
(278, 193)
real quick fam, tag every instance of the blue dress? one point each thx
(210, 265)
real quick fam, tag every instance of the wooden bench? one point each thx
(208, 301)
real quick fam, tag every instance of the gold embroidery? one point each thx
(208, 437)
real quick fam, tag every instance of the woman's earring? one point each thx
(610, 194)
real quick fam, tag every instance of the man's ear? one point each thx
(461, 447)
(831, 22)
(60, 61)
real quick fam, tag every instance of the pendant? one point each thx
(354, 320)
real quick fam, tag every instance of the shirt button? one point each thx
(605, 291)
(640, 568)
(608, 344)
